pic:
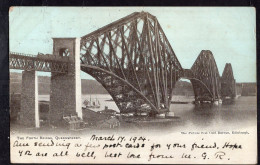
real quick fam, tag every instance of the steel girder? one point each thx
(134, 61)
(44, 63)
(206, 80)
(228, 83)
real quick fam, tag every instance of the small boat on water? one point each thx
(217, 102)
(110, 100)
(92, 104)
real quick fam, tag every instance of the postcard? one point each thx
(142, 85)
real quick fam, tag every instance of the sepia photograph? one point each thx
(133, 85)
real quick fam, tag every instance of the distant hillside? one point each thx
(87, 86)
(247, 89)
(183, 88)
(93, 87)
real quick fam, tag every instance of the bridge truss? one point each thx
(44, 63)
(228, 83)
(134, 61)
(205, 79)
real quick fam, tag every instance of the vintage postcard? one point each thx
(133, 85)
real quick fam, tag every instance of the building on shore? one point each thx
(110, 123)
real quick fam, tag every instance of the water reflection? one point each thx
(228, 101)
(231, 114)
(237, 113)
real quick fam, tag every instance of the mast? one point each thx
(90, 101)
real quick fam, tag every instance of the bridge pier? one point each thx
(65, 96)
(29, 114)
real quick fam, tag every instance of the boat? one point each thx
(217, 102)
(220, 101)
(92, 104)
(96, 103)
(160, 115)
(169, 115)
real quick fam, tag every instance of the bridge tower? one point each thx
(206, 80)
(228, 83)
(65, 96)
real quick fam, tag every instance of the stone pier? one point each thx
(29, 114)
(65, 96)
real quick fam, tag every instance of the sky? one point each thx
(229, 32)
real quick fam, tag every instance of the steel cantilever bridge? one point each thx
(134, 61)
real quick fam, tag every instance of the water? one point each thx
(101, 97)
(237, 114)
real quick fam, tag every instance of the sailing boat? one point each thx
(88, 103)
(96, 103)
(92, 104)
